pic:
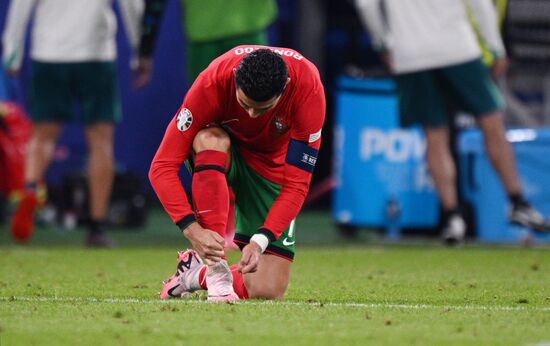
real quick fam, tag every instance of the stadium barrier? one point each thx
(381, 179)
(480, 186)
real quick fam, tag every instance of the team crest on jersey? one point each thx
(184, 120)
(279, 126)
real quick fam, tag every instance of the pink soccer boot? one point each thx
(186, 278)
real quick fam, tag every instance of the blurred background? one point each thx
(370, 182)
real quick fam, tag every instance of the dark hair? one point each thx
(261, 75)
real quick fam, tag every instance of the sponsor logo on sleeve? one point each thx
(184, 119)
(315, 136)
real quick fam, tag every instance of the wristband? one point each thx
(186, 221)
(261, 240)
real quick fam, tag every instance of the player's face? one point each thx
(254, 108)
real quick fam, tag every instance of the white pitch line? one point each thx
(283, 302)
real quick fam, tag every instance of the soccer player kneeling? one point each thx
(250, 122)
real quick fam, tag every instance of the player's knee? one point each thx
(268, 295)
(269, 292)
(211, 139)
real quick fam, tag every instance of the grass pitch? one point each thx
(54, 292)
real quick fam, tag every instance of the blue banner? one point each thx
(380, 171)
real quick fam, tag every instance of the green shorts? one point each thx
(254, 196)
(91, 85)
(426, 97)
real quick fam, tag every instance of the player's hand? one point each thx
(387, 59)
(141, 74)
(12, 72)
(250, 258)
(499, 68)
(207, 243)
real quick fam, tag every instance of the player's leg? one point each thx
(216, 139)
(478, 93)
(441, 165)
(209, 185)
(443, 171)
(50, 107)
(190, 273)
(97, 94)
(99, 138)
(254, 196)
(211, 161)
(211, 201)
(40, 150)
(422, 102)
(502, 159)
(499, 151)
(38, 157)
(270, 280)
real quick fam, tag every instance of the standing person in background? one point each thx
(431, 47)
(211, 28)
(73, 59)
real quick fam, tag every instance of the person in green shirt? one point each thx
(211, 28)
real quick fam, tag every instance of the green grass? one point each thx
(53, 292)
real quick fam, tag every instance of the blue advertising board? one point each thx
(379, 168)
(481, 187)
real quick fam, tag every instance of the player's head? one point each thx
(260, 78)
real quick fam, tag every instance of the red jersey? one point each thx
(295, 122)
(15, 133)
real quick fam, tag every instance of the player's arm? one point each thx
(287, 205)
(150, 25)
(163, 174)
(372, 18)
(132, 13)
(485, 15)
(172, 153)
(301, 158)
(13, 38)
